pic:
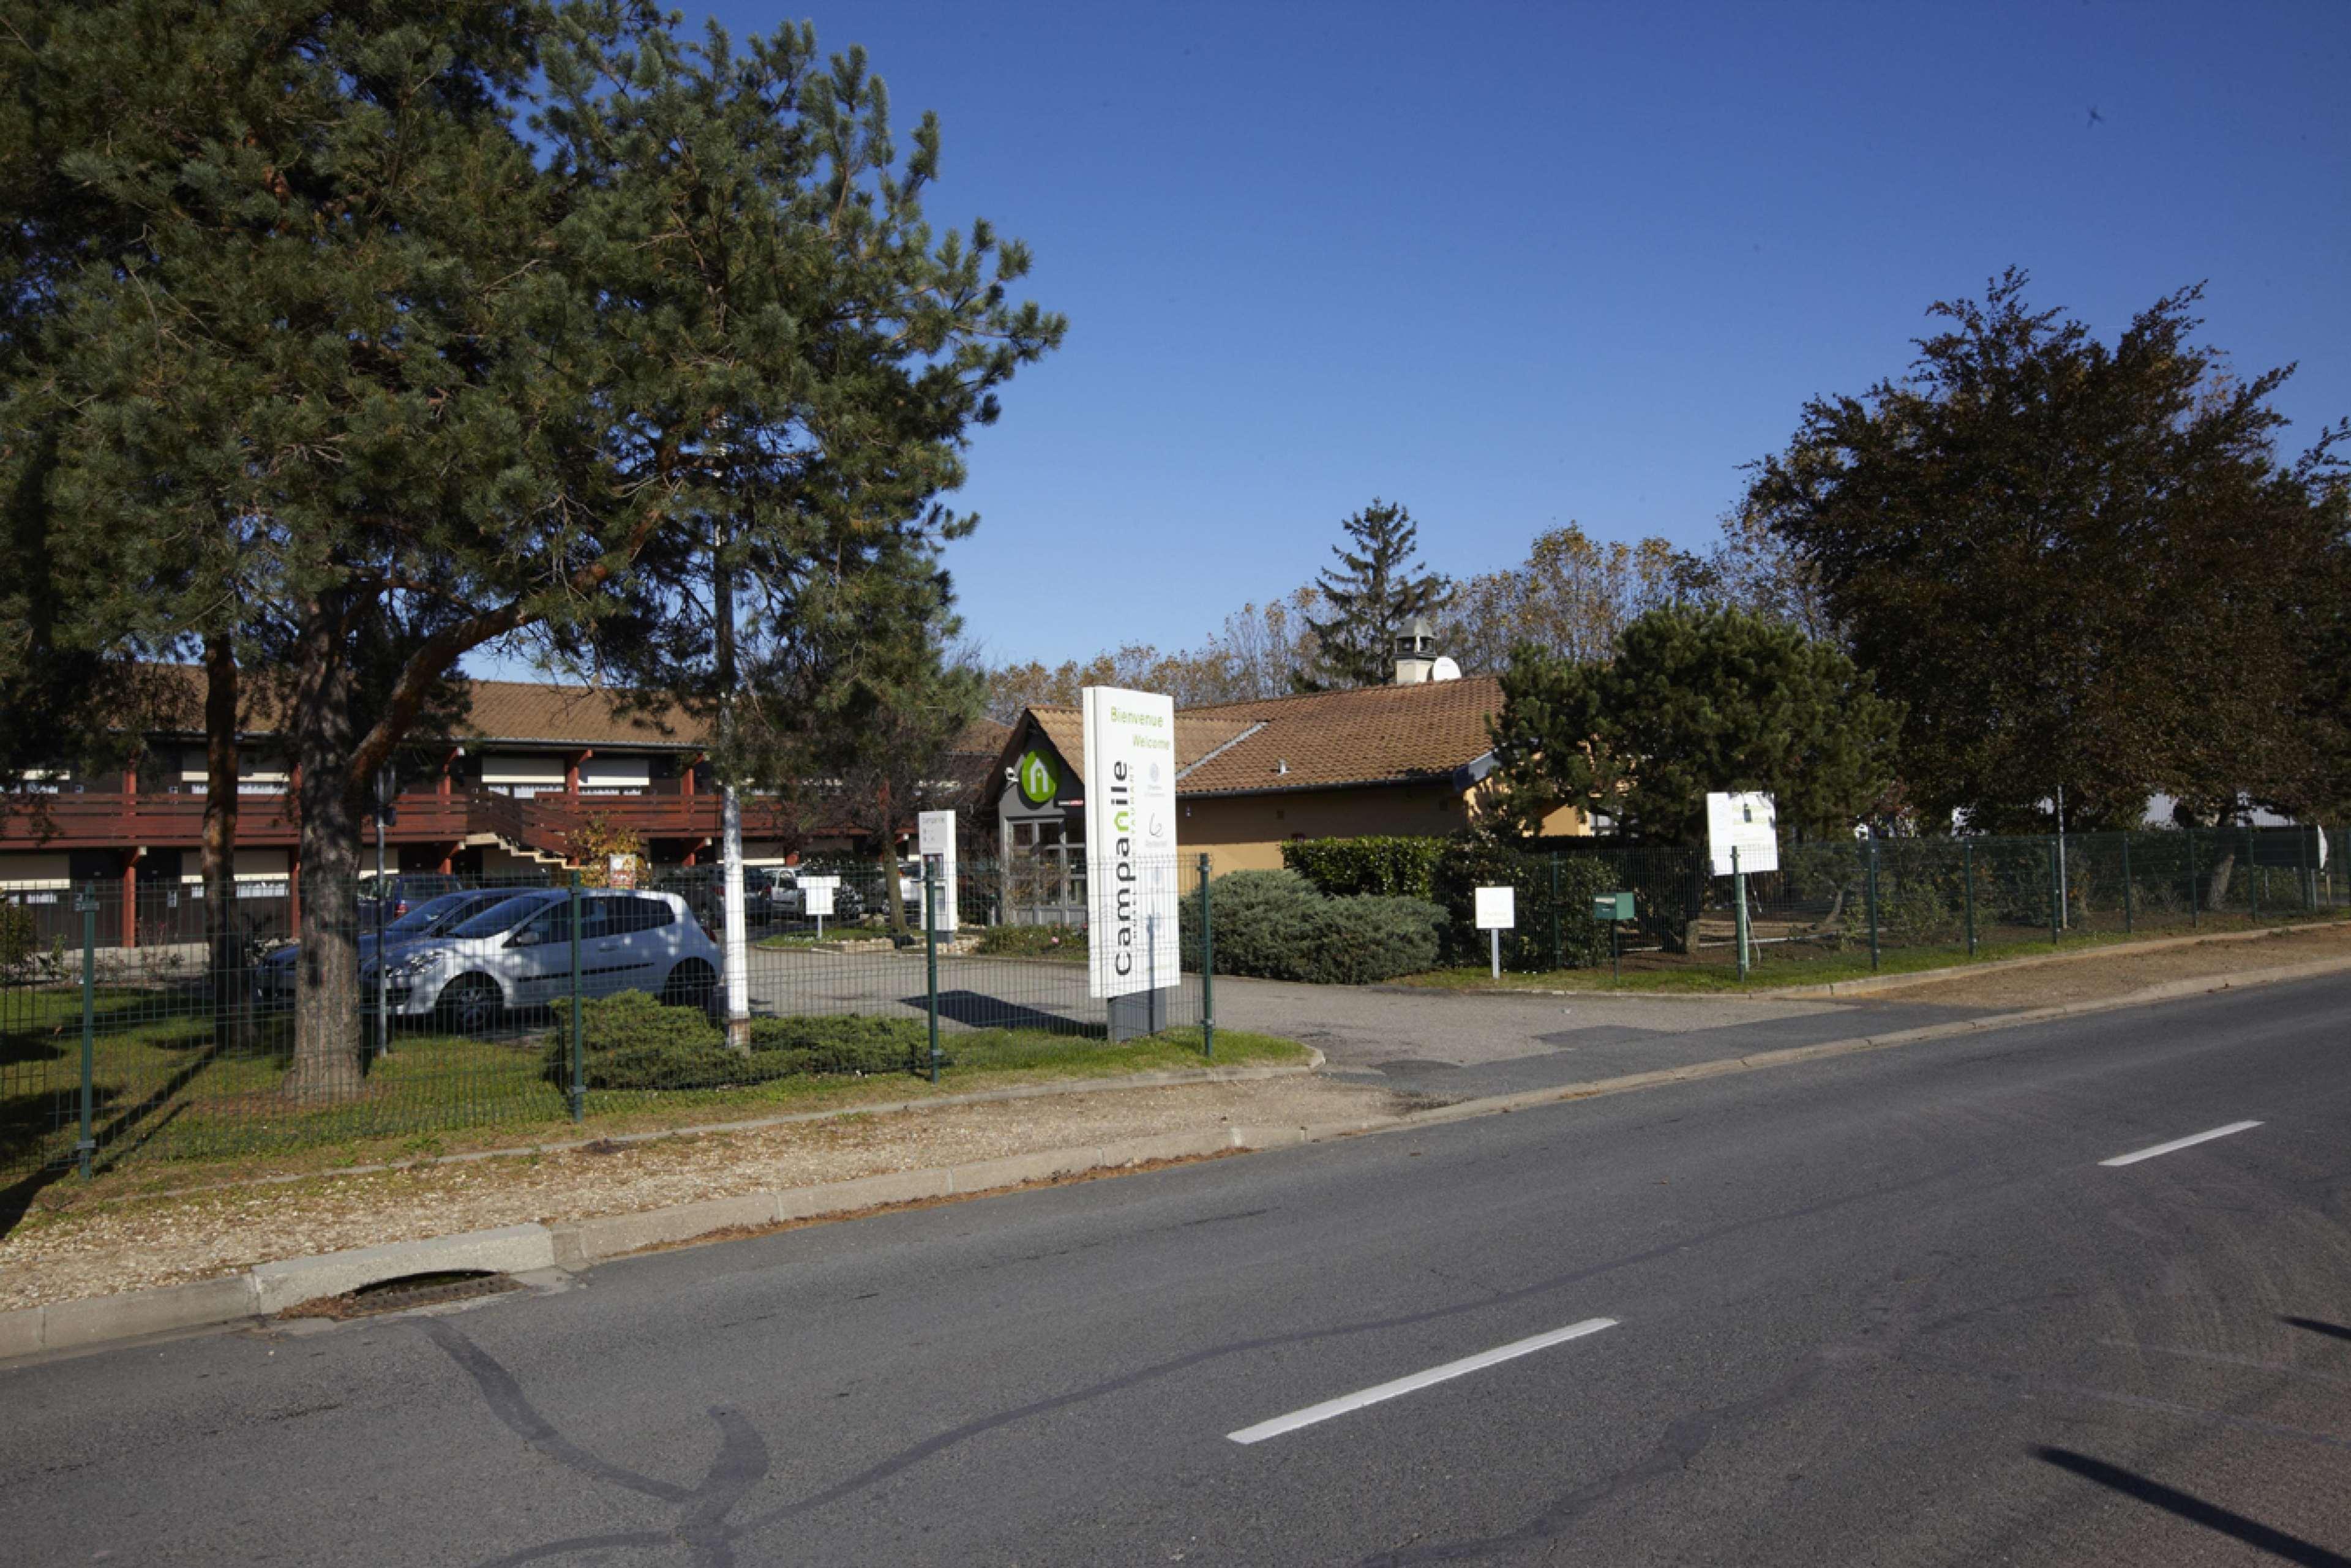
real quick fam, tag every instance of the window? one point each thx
(551, 924)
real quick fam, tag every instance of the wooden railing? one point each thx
(545, 822)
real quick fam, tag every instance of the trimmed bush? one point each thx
(1034, 941)
(1275, 926)
(851, 1044)
(635, 1043)
(1389, 865)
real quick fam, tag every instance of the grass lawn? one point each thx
(165, 1094)
(1716, 973)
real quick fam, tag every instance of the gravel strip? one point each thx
(132, 1244)
(2116, 973)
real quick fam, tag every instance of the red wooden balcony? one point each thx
(545, 821)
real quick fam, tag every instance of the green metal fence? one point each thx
(126, 1034)
(1857, 902)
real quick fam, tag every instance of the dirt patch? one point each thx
(132, 1243)
(2122, 971)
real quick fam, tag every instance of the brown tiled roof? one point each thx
(1375, 734)
(1197, 734)
(1371, 735)
(582, 715)
(517, 711)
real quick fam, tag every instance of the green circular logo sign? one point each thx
(1039, 781)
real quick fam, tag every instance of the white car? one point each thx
(274, 977)
(517, 954)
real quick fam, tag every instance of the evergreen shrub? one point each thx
(636, 1043)
(1274, 924)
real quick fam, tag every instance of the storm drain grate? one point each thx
(406, 1293)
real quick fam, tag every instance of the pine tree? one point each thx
(461, 322)
(1378, 588)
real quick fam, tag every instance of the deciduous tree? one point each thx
(1694, 701)
(2076, 564)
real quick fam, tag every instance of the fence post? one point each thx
(2193, 920)
(1739, 925)
(2126, 885)
(579, 1035)
(1208, 969)
(1870, 884)
(1968, 875)
(2253, 883)
(2055, 892)
(83, 1149)
(1555, 953)
(931, 954)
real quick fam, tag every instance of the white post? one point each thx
(738, 977)
(1494, 939)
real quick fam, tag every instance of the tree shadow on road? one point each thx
(2193, 1509)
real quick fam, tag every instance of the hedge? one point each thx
(1470, 863)
(1034, 941)
(1391, 866)
(1276, 925)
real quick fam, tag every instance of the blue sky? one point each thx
(1515, 264)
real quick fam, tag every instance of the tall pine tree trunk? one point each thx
(893, 886)
(232, 980)
(327, 1046)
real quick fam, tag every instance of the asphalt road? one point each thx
(1883, 1309)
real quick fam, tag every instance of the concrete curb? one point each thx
(264, 1289)
(269, 1288)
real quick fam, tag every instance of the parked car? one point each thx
(788, 900)
(704, 888)
(391, 897)
(274, 981)
(517, 954)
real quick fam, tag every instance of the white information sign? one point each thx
(1748, 823)
(935, 839)
(1130, 781)
(815, 895)
(1496, 908)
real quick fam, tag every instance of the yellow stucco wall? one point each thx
(1246, 832)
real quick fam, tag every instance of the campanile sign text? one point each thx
(1130, 770)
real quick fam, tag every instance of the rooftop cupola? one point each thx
(1415, 651)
